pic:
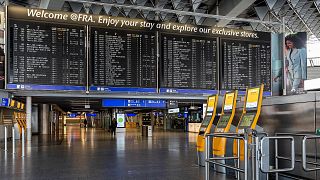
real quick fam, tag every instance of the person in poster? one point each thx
(295, 64)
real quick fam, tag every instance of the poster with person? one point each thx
(295, 63)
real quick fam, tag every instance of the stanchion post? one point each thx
(5, 138)
(276, 155)
(245, 158)
(22, 153)
(238, 160)
(207, 156)
(257, 157)
(13, 141)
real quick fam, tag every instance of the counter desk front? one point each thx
(194, 127)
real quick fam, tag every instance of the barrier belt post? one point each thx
(22, 153)
(5, 138)
(13, 141)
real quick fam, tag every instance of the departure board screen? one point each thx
(188, 62)
(245, 64)
(46, 54)
(123, 58)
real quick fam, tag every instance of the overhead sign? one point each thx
(153, 103)
(175, 110)
(124, 23)
(5, 102)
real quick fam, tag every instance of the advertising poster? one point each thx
(295, 63)
(121, 120)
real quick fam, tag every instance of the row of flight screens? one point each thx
(56, 54)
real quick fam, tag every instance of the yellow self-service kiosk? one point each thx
(206, 126)
(250, 114)
(224, 125)
(248, 120)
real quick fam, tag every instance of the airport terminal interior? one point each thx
(160, 89)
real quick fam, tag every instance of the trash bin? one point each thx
(149, 131)
(146, 130)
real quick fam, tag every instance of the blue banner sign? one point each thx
(187, 91)
(5, 102)
(154, 103)
(122, 89)
(45, 87)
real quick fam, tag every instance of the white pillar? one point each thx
(44, 125)
(29, 111)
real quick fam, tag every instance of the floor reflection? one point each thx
(87, 153)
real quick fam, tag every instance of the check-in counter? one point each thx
(194, 127)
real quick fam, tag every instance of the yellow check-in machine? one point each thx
(206, 127)
(249, 118)
(224, 125)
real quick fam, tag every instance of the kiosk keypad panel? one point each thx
(246, 120)
(224, 120)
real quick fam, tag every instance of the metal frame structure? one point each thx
(183, 13)
(257, 157)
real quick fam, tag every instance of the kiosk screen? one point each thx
(247, 120)
(206, 121)
(223, 121)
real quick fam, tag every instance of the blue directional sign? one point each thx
(154, 103)
(5, 102)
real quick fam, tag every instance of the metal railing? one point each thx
(13, 147)
(303, 160)
(304, 154)
(292, 159)
(260, 158)
(209, 159)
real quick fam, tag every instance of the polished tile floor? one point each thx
(96, 154)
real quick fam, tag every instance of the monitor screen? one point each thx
(206, 121)
(247, 120)
(223, 122)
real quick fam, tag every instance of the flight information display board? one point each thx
(123, 58)
(46, 56)
(245, 64)
(188, 62)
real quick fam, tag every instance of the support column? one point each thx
(44, 125)
(28, 118)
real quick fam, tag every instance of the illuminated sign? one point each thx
(121, 121)
(5, 102)
(154, 103)
(252, 98)
(175, 110)
(228, 102)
